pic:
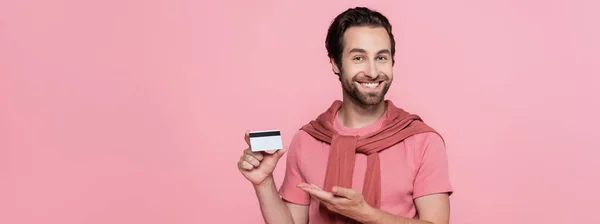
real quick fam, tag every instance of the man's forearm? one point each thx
(270, 201)
(378, 216)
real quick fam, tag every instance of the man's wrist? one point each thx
(378, 216)
(372, 215)
(265, 184)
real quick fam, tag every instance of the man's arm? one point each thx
(276, 210)
(299, 212)
(290, 204)
(432, 183)
(258, 168)
(432, 209)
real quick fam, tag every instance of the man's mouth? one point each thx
(371, 85)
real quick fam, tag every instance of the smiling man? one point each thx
(363, 159)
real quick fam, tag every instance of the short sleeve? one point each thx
(432, 166)
(289, 190)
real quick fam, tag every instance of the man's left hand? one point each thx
(344, 201)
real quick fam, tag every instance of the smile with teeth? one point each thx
(370, 84)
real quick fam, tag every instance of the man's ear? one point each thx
(334, 67)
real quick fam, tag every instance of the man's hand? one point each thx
(258, 166)
(351, 203)
(344, 201)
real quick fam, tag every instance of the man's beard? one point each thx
(365, 99)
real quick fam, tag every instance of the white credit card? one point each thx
(265, 140)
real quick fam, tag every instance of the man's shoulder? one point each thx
(426, 136)
(425, 139)
(300, 136)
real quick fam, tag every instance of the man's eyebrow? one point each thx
(357, 50)
(384, 51)
(360, 50)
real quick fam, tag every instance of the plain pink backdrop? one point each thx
(134, 111)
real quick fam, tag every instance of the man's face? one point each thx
(366, 72)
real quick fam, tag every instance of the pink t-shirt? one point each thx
(413, 168)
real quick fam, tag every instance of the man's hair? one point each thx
(359, 16)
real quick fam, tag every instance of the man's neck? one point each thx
(355, 115)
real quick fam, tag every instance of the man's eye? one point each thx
(381, 58)
(358, 58)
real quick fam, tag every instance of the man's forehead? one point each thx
(366, 39)
(366, 35)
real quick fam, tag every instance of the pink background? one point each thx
(134, 111)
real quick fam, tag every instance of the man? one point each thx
(363, 159)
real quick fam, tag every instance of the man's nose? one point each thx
(371, 70)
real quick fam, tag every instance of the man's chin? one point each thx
(366, 98)
(371, 100)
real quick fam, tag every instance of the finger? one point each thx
(301, 185)
(336, 198)
(258, 155)
(305, 185)
(344, 192)
(250, 159)
(245, 165)
(326, 198)
(329, 206)
(318, 193)
(247, 137)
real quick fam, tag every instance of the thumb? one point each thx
(343, 192)
(280, 152)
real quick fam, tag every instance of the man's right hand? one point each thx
(258, 166)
